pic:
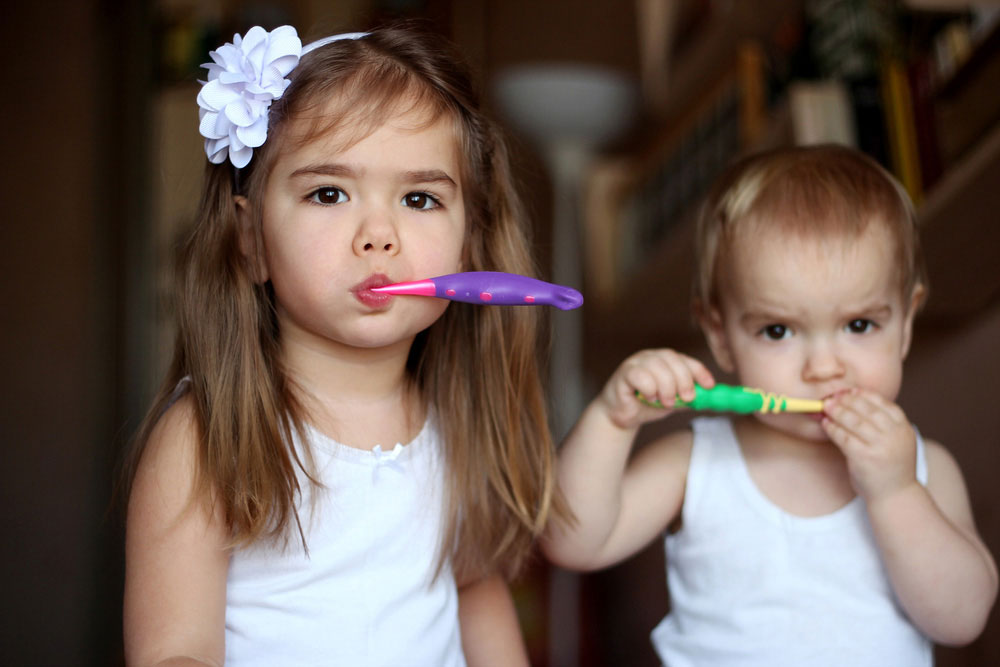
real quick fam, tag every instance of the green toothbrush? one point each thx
(742, 400)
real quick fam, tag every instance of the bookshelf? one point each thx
(960, 236)
(952, 370)
(956, 211)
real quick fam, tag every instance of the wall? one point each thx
(58, 241)
(950, 388)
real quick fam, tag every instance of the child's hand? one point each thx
(658, 374)
(877, 439)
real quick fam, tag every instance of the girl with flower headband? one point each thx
(275, 515)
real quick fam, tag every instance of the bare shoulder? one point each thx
(946, 484)
(175, 436)
(667, 454)
(941, 465)
(652, 495)
(657, 476)
(166, 501)
(166, 471)
(176, 555)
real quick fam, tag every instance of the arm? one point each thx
(491, 634)
(175, 556)
(618, 509)
(940, 570)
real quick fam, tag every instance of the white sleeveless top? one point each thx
(752, 585)
(364, 594)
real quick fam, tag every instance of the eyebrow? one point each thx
(413, 176)
(875, 310)
(429, 176)
(753, 317)
(878, 310)
(323, 170)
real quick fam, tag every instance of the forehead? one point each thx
(788, 267)
(338, 126)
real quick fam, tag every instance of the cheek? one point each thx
(755, 364)
(762, 373)
(305, 273)
(770, 367)
(883, 374)
(286, 261)
(438, 255)
(419, 314)
(881, 357)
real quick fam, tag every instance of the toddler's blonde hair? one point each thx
(812, 192)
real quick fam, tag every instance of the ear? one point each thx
(710, 321)
(917, 297)
(249, 248)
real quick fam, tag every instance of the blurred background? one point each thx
(621, 114)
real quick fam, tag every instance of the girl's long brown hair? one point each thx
(478, 367)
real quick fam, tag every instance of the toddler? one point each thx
(841, 538)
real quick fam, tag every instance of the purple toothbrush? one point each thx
(490, 288)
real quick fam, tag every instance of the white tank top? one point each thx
(364, 595)
(752, 585)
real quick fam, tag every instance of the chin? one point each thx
(803, 427)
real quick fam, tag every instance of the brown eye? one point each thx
(328, 195)
(775, 331)
(423, 201)
(860, 326)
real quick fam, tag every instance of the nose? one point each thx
(822, 362)
(376, 234)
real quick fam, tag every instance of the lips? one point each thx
(818, 416)
(363, 291)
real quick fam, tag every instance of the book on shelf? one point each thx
(920, 74)
(904, 156)
(726, 118)
(967, 98)
(821, 113)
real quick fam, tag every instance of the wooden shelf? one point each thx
(650, 305)
(651, 309)
(961, 242)
(960, 232)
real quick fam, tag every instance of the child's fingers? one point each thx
(692, 373)
(633, 375)
(676, 375)
(637, 379)
(866, 414)
(843, 438)
(875, 437)
(892, 412)
(847, 422)
(865, 424)
(852, 429)
(675, 379)
(700, 372)
(641, 374)
(659, 375)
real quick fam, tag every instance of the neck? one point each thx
(763, 438)
(348, 374)
(359, 396)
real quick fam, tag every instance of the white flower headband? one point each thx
(247, 75)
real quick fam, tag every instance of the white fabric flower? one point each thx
(245, 78)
